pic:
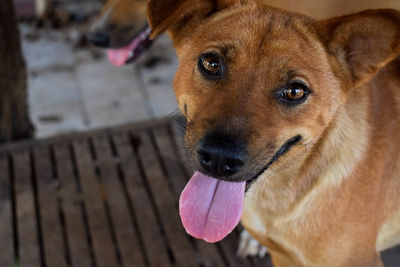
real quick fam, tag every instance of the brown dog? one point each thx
(304, 112)
(121, 22)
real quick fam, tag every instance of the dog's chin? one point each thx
(129, 53)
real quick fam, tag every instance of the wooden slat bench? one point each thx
(103, 198)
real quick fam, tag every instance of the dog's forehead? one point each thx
(270, 42)
(258, 33)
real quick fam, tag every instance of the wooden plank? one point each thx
(262, 262)
(127, 238)
(149, 228)
(170, 160)
(102, 240)
(29, 252)
(210, 255)
(53, 243)
(391, 257)
(166, 204)
(30, 143)
(178, 144)
(71, 203)
(6, 227)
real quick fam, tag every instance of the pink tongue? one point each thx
(120, 56)
(210, 209)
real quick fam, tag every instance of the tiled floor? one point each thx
(74, 89)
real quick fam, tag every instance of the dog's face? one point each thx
(259, 86)
(122, 25)
(265, 88)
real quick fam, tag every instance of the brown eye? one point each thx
(294, 93)
(210, 65)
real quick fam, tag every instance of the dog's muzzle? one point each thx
(222, 156)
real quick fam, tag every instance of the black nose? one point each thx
(100, 39)
(221, 155)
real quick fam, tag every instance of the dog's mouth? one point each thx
(211, 208)
(124, 55)
(281, 151)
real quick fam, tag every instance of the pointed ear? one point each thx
(180, 17)
(363, 42)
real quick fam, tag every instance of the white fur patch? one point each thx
(248, 246)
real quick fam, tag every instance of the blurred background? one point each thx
(71, 84)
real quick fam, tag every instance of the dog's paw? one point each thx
(248, 246)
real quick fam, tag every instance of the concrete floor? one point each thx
(73, 89)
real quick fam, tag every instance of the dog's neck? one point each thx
(289, 192)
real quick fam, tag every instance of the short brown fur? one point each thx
(333, 199)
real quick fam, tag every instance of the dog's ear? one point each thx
(180, 17)
(362, 42)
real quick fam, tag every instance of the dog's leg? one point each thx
(248, 246)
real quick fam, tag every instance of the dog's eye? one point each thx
(210, 65)
(294, 93)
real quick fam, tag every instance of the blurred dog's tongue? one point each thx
(210, 209)
(120, 56)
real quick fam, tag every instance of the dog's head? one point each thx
(122, 27)
(260, 86)
(253, 81)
